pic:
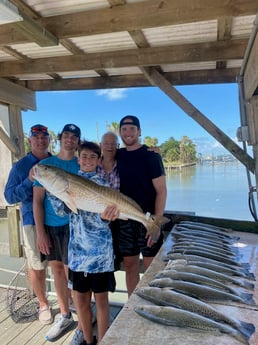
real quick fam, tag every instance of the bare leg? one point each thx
(131, 266)
(102, 307)
(147, 261)
(60, 281)
(83, 307)
(38, 282)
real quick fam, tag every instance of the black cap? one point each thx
(70, 127)
(130, 120)
(34, 130)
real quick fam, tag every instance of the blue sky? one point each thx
(160, 117)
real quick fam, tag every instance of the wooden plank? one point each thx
(152, 56)
(251, 72)
(14, 231)
(135, 80)
(16, 130)
(157, 79)
(12, 93)
(133, 16)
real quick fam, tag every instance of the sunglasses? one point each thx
(38, 129)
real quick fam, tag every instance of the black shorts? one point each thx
(59, 238)
(132, 240)
(96, 282)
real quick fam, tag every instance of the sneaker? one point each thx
(45, 315)
(61, 325)
(77, 337)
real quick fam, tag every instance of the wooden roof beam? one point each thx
(133, 16)
(134, 80)
(199, 52)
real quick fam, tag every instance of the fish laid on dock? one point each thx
(172, 316)
(203, 292)
(167, 297)
(197, 278)
(184, 266)
(80, 193)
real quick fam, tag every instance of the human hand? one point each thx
(43, 243)
(111, 212)
(150, 241)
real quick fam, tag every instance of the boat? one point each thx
(75, 45)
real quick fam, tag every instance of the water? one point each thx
(217, 190)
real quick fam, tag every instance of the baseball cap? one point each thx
(34, 130)
(70, 127)
(130, 120)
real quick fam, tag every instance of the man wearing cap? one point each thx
(53, 229)
(19, 189)
(142, 178)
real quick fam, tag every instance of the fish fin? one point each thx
(71, 206)
(247, 285)
(246, 328)
(247, 298)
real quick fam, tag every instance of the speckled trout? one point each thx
(172, 316)
(80, 193)
(172, 298)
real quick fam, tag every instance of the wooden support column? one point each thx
(15, 247)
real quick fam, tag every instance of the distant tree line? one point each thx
(172, 150)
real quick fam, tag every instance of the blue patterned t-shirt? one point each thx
(90, 247)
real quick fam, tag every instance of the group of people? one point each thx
(84, 249)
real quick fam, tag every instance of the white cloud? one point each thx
(112, 93)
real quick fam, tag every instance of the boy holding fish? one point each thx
(90, 252)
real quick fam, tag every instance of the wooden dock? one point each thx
(33, 333)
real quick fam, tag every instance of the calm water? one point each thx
(219, 190)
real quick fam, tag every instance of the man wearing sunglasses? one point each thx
(19, 189)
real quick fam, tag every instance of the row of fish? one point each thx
(203, 266)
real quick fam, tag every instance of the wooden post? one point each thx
(15, 247)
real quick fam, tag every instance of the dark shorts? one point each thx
(114, 226)
(59, 237)
(96, 282)
(132, 240)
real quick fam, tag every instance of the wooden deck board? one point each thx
(32, 333)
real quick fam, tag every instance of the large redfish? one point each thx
(80, 193)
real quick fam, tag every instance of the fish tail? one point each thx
(247, 285)
(153, 225)
(248, 298)
(246, 328)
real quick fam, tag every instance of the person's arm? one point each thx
(43, 242)
(17, 188)
(159, 184)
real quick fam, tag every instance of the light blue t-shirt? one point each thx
(50, 217)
